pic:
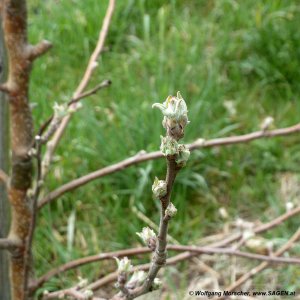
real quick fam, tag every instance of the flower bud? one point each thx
(168, 146)
(266, 124)
(136, 279)
(159, 188)
(83, 282)
(88, 294)
(171, 210)
(60, 110)
(157, 284)
(175, 112)
(149, 237)
(183, 155)
(124, 265)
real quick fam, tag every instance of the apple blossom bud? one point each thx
(124, 265)
(149, 237)
(157, 284)
(159, 188)
(168, 146)
(171, 210)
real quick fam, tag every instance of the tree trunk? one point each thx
(4, 207)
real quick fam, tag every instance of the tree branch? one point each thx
(9, 244)
(190, 251)
(142, 156)
(136, 251)
(259, 229)
(34, 51)
(263, 265)
(14, 16)
(94, 90)
(3, 177)
(84, 81)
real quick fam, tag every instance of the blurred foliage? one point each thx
(235, 62)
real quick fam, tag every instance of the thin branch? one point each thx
(3, 177)
(86, 260)
(34, 51)
(259, 229)
(34, 199)
(232, 252)
(4, 88)
(9, 244)
(84, 81)
(112, 277)
(136, 251)
(93, 91)
(143, 156)
(263, 265)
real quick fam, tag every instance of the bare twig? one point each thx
(136, 251)
(112, 277)
(84, 81)
(143, 156)
(83, 261)
(9, 244)
(94, 90)
(263, 265)
(3, 177)
(34, 199)
(259, 229)
(37, 50)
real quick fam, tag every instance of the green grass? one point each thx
(212, 51)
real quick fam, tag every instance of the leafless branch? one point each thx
(142, 156)
(33, 200)
(84, 81)
(3, 177)
(94, 90)
(9, 244)
(137, 251)
(14, 17)
(263, 265)
(4, 88)
(191, 251)
(34, 51)
(112, 277)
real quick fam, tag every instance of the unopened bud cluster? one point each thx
(169, 146)
(171, 210)
(175, 112)
(159, 188)
(148, 236)
(124, 265)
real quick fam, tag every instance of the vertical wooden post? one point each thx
(4, 208)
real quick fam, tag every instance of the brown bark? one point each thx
(4, 208)
(20, 57)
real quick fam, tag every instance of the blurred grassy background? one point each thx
(235, 62)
